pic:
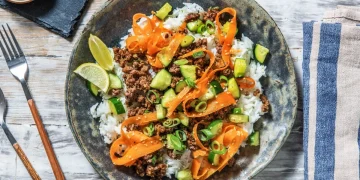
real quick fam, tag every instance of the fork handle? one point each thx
(26, 162)
(46, 142)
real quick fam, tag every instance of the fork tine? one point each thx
(6, 45)
(4, 52)
(15, 41)
(11, 44)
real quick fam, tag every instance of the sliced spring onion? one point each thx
(180, 152)
(224, 78)
(181, 62)
(206, 135)
(210, 27)
(148, 96)
(146, 111)
(201, 106)
(153, 160)
(218, 148)
(149, 130)
(198, 54)
(181, 135)
(194, 103)
(175, 142)
(190, 82)
(201, 29)
(171, 122)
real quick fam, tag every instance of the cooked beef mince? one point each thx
(191, 144)
(192, 17)
(266, 105)
(226, 72)
(137, 79)
(211, 14)
(172, 154)
(174, 69)
(159, 128)
(256, 92)
(157, 171)
(139, 168)
(115, 92)
(175, 80)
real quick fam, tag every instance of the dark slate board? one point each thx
(59, 16)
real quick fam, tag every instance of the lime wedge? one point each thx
(100, 52)
(95, 74)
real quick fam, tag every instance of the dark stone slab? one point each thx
(59, 16)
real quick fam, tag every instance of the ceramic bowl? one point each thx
(113, 22)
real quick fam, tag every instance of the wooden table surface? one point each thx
(48, 56)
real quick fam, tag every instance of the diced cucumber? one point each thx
(169, 95)
(164, 11)
(181, 62)
(194, 25)
(187, 40)
(260, 53)
(237, 110)
(180, 86)
(216, 87)
(214, 158)
(234, 88)
(160, 111)
(184, 120)
(94, 90)
(240, 67)
(215, 127)
(198, 54)
(165, 59)
(188, 71)
(116, 106)
(115, 82)
(162, 80)
(184, 175)
(238, 118)
(254, 139)
(210, 93)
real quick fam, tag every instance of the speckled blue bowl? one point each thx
(113, 21)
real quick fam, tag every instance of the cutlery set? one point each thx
(18, 67)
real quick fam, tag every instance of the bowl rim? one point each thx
(101, 172)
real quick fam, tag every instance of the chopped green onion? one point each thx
(180, 152)
(181, 135)
(218, 148)
(153, 160)
(237, 111)
(190, 82)
(198, 54)
(181, 62)
(175, 142)
(206, 135)
(149, 130)
(146, 111)
(210, 27)
(194, 103)
(148, 96)
(201, 106)
(171, 122)
(224, 78)
(201, 29)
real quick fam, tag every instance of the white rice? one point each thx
(176, 165)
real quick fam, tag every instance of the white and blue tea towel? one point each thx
(331, 75)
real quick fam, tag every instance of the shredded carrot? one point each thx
(231, 137)
(169, 51)
(246, 82)
(197, 140)
(222, 100)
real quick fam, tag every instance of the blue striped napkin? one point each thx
(331, 80)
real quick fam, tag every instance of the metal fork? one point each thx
(17, 64)
(13, 141)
